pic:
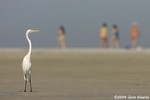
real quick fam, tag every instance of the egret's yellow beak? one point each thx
(35, 30)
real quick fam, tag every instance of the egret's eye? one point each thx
(30, 31)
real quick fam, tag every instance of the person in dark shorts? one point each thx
(115, 37)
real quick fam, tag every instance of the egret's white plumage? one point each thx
(26, 64)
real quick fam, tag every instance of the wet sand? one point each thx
(76, 74)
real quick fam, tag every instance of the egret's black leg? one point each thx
(25, 83)
(30, 84)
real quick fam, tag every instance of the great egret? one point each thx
(26, 64)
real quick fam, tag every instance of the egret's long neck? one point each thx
(30, 45)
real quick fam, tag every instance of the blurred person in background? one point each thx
(134, 31)
(61, 37)
(103, 35)
(114, 42)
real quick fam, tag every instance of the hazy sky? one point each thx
(81, 18)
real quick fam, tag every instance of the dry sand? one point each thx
(76, 74)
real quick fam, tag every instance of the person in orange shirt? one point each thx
(103, 35)
(134, 34)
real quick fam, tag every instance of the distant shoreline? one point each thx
(78, 50)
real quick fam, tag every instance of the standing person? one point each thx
(103, 35)
(61, 37)
(115, 37)
(134, 34)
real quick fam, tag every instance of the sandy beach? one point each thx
(76, 74)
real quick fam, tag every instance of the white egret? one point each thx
(26, 64)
